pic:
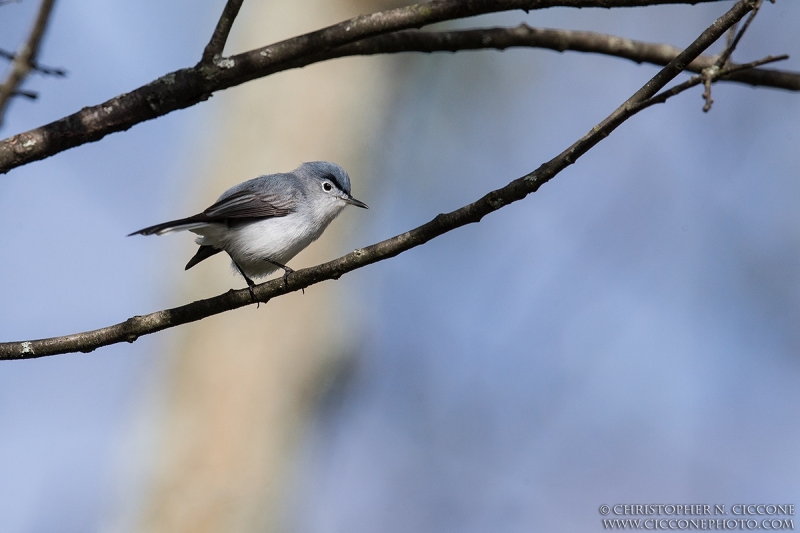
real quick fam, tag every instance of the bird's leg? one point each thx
(250, 282)
(286, 271)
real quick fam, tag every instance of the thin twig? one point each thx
(730, 35)
(36, 67)
(662, 97)
(731, 46)
(220, 36)
(710, 73)
(25, 58)
(30, 95)
(518, 189)
(186, 87)
(707, 80)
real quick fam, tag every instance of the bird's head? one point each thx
(327, 184)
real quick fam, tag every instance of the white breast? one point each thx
(277, 239)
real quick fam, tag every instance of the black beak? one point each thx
(352, 201)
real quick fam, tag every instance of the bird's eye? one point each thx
(327, 186)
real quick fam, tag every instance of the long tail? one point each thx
(175, 225)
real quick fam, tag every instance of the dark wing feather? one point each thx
(150, 230)
(241, 204)
(247, 204)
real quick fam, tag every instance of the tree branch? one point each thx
(524, 36)
(709, 73)
(220, 37)
(733, 43)
(30, 95)
(24, 60)
(518, 189)
(186, 87)
(707, 77)
(35, 66)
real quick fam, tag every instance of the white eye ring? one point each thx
(327, 186)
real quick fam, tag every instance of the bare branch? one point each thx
(220, 37)
(733, 43)
(709, 74)
(35, 66)
(561, 41)
(186, 87)
(518, 189)
(731, 70)
(30, 95)
(25, 59)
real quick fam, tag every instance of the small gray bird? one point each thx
(264, 222)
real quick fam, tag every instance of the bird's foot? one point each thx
(286, 271)
(250, 286)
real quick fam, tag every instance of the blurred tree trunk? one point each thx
(242, 384)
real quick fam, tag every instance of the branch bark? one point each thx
(518, 189)
(25, 59)
(186, 87)
(523, 36)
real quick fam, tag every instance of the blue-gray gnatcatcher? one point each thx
(264, 222)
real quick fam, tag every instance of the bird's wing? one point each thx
(263, 197)
(249, 204)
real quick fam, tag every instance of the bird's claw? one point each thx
(250, 286)
(286, 271)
